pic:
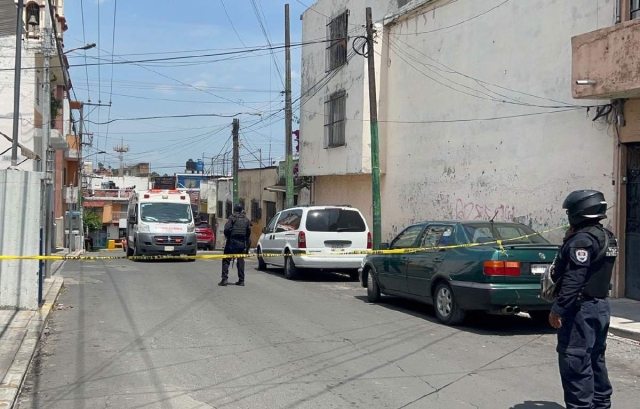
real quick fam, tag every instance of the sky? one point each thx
(247, 82)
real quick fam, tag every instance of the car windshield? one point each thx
(335, 220)
(511, 233)
(166, 213)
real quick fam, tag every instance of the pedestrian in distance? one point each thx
(580, 313)
(237, 232)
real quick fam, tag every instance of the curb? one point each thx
(12, 383)
(624, 332)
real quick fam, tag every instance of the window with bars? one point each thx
(229, 210)
(271, 209)
(402, 3)
(220, 210)
(337, 33)
(335, 108)
(256, 212)
(635, 9)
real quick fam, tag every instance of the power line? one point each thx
(451, 26)
(224, 7)
(113, 47)
(171, 116)
(84, 41)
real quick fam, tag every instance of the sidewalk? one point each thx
(20, 332)
(625, 318)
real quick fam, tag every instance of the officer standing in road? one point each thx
(237, 231)
(581, 312)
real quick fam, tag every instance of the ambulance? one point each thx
(161, 222)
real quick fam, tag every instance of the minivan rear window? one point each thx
(335, 220)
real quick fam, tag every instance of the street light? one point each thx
(86, 47)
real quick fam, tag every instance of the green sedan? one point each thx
(464, 268)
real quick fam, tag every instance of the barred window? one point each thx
(255, 211)
(335, 120)
(635, 9)
(271, 209)
(337, 33)
(229, 210)
(219, 210)
(402, 3)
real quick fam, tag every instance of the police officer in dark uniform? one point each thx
(581, 312)
(237, 231)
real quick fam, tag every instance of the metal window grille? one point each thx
(271, 209)
(242, 204)
(255, 211)
(219, 210)
(335, 119)
(229, 210)
(337, 33)
(635, 9)
(402, 3)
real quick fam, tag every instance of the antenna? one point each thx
(121, 150)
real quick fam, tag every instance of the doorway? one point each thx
(632, 228)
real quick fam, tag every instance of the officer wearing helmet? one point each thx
(581, 312)
(237, 231)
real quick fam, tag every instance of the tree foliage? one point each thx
(92, 221)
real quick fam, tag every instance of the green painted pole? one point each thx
(375, 144)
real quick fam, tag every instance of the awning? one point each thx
(282, 189)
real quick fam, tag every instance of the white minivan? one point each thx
(312, 237)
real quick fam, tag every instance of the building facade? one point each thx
(477, 114)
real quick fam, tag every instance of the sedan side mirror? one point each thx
(384, 246)
(264, 230)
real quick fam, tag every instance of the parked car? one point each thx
(206, 237)
(484, 277)
(307, 237)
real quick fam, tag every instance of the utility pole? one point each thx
(236, 159)
(47, 152)
(16, 85)
(375, 146)
(288, 111)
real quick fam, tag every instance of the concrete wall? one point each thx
(26, 133)
(20, 194)
(354, 157)
(439, 165)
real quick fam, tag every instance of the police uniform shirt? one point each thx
(573, 265)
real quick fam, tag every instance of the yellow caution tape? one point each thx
(499, 243)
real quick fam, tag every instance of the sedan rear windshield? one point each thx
(335, 220)
(512, 233)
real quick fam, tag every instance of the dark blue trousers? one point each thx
(582, 341)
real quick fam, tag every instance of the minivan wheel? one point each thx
(290, 270)
(373, 291)
(447, 309)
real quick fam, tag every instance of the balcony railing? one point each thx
(108, 194)
(116, 216)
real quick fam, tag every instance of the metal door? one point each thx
(632, 245)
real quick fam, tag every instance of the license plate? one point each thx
(538, 269)
(169, 248)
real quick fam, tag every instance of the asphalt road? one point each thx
(164, 335)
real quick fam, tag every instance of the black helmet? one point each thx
(583, 205)
(237, 208)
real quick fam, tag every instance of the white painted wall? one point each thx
(19, 235)
(122, 182)
(354, 158)
(436, 169)
(26, 133)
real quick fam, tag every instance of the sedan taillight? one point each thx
(502, 268)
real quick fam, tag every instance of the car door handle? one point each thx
(437, 260)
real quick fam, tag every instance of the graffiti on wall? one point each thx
(469, 210)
